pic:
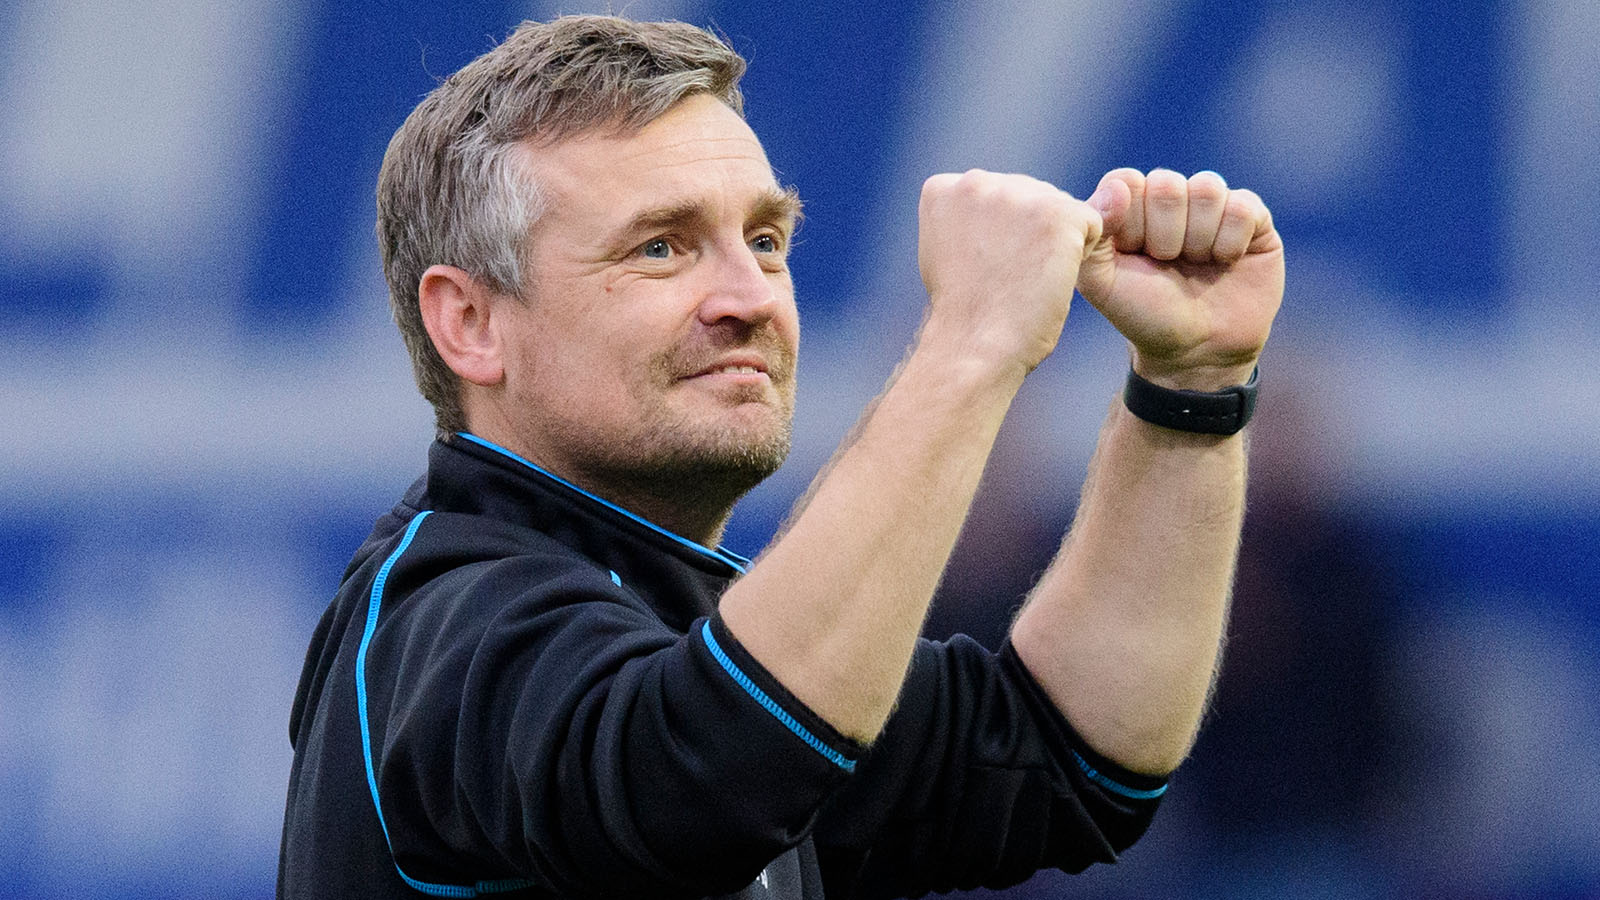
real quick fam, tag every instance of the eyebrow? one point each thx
(771, 205)
(778, 206)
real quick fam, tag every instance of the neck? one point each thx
(691, 504)
(704, 527)
(694, 503)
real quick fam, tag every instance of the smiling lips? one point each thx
(748, 366)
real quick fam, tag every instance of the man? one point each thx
(539, 678)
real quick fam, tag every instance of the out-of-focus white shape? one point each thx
(153, 415)
(1018, 86)
(1021, 86)
(1439, 414)
(1553, 191)
(1025, 85)
(1313, 102)
(132, 128)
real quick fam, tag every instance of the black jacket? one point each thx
(523, 690)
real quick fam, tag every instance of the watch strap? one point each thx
(1223, 412)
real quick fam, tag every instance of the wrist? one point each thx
(1178, 376)
(970, 355)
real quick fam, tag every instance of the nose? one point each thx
(738, 289)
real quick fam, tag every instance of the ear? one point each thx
(457, 311)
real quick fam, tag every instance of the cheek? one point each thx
(787, 320)
(560, 370)
(619, 348)
(622, 365)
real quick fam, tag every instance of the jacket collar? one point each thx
(469, 474)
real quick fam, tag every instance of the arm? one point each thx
(833, 608)
(976, 780)
(1124, 630)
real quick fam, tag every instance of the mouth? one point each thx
(743, 367)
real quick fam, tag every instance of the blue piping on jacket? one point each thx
(373, 605)
(771, 706)
(724, 556)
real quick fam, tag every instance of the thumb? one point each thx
(1111, 200)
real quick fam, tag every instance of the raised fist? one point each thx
(1189, 271)
(999, 255)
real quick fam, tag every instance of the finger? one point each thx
(1129, 229)
(1090, 219)
(1208, 197)
(1113, 200)
(1266, 238)
(1243, 217)
(1166, 213)
(936, 187)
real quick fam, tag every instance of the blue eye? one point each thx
(765, 243)
(657, 249)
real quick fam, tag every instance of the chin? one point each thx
(727, 461)
(756, 454)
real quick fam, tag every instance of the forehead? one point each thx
(698, 150)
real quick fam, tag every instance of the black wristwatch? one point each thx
(1224, 412)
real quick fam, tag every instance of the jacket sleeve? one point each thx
(976, 781)
(574, 743)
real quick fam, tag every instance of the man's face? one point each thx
(656, 348)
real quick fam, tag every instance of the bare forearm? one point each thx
(833, 608)
(1125, 628)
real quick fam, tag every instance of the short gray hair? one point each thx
(450, 191)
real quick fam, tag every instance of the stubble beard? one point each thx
(706, 466)
(720, 467)
(697, 472)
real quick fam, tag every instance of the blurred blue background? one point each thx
(206, 404)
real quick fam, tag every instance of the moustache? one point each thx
(776, 355)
